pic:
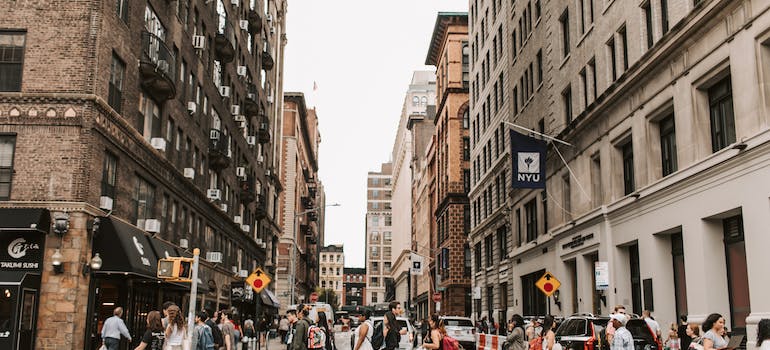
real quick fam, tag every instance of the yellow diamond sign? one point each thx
(548, 284)
(258, 280)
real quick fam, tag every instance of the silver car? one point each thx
(462, 329)
(406, 339)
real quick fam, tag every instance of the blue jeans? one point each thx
(111, 343)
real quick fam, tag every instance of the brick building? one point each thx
(354, 286)
(140, 131)
(449, 52)
(302, 203)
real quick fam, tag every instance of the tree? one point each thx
(328, 296)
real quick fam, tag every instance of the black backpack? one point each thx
(377, 339)
(216, 333)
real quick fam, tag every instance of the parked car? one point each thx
(644, 338)
(583, 332)
(462, 329)
(406, 339)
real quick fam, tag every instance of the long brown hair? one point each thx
(154, 322)
(175, 317)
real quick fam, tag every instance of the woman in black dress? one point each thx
(155, 335)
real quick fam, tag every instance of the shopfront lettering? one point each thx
(18, 247)
(19, 265)
(577, 241)
(145, 261)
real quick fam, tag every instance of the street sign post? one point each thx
(436, 297)
(548, 284)
(258, 280)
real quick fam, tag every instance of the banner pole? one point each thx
(537, 133)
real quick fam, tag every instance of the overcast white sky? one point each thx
(361, 53)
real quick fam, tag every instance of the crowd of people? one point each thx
(169, 331)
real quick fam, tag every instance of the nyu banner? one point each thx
(528, 158)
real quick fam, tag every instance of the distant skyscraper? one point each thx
(378, 232)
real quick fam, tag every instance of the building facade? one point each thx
(449, 52)
(663, 188)
(302, 203)
(332, 269)
(150, 135)
(378, 232)
(423, 207)
(354, 286)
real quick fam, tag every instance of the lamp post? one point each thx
(293, 270)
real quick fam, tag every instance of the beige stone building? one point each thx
(379, 234)
(332, 270)
(669, 163)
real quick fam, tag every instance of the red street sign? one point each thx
(313, 297)
(436, 297)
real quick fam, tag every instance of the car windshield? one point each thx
(572, 327)
(450, 322)
(639, 330)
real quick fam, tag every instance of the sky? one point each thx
(361, 55)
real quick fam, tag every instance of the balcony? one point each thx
(263, 133)
(219, 150)
(248, 190)
(251, 102)
(312, 239)
(157, 67)
(255, 22)
(312, 216)
(267, 60)
(307, 202)
(224, 42)
(260, 210)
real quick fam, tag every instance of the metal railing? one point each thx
(155, 51)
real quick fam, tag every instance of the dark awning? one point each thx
(124, 248)
(16, 219)
(163, 249)
(269, 299)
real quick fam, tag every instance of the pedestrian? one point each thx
(212, 322)
(155, 336)
(113, 328)
(484, 325)
(203, 338)
(164, 308)
(323, 323)
(515, 338)
(654, 325)
(492, 325)
(763, 334)
(434, 338)
(228, 330)
(283, 327)
(176, 330)
(619, 309)
(673, 342)
(549, 337)
(622, 339)
(391, 331)
(684, 340)
(693, 337)
(301, 327)
(365, 331)
(713, 326)
(534, 329)
(249, 334)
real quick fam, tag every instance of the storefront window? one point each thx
(7, 301)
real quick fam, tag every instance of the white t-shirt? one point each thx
(653, 325)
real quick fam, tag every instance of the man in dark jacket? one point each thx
(299, 340)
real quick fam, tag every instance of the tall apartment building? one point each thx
(332, 269)
(379, 234)
(667, 189)
(139, 131)
(302, 203)
(420, 94)
(449, 52)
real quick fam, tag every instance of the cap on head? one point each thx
(620, 318)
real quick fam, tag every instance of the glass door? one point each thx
(27, 317)
(7, 315)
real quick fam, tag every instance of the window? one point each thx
(477, 256)
(502, 242)
(668, 145)
(533, 300)
(627, 152)
(7, 150)
(386, 237)
(647, 8)
(624, 45)
(151, 122)
(613, 57)
(466, 65)
(530, 211)
(680, 283)
(466, 119)
(323, 269)
(566, 200)
(375, 282)
(596, 181)
(109, 175)
(721, 114)
(566, 97)
(737, 275)
(11, 60)
(664, 16)
(388, 221)
(539, 67)
(375, 236)
(466, 149)
(592, 68)
(374, 251)
(490, 300)
(144, 201)
(386, 252)
(519, 231)
(117, 72)
(636, 283)
(121, 10)
(581, 10)
(564, 20)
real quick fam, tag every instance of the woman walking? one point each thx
(434, 337)
(549, 337)
(515, 339)
(323, 323)
(693, 337)
(713, 326)
(154, 337)
(176, 331)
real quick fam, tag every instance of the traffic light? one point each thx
(175, 269)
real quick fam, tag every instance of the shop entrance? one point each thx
(18, 313)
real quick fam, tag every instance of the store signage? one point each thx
(237, 291)
(21, 251)
(577, 241)
(528, 161)
(140, 248)
(602, 274)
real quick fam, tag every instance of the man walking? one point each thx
(621, 310)
(228, 330)
(203, 338)
(215, 331)
(283, 327)
(654, 325)
(301, 327)
(113, 328)
(291, 318)
(622, 340)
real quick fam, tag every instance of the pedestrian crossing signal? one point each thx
(175, 269)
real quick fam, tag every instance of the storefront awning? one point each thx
(125, 249)
(163, 249)
(17, 219)
(269, 299)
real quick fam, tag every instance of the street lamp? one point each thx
(293, 276)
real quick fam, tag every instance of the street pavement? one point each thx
(341, 339)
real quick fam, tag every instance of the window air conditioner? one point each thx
(241, 70)
(272, 30)
(214, 194)
(260, 159)
(105, 202)
(192, 107)
(199, 41)
(214, 257)
(244, 24)
(270, 97)
(240, 171)
(240, 118)
(245, 228)
(158, 143)
(259, 240)
(184, 243)
(214, 134)
(162, 66)
(268, 173)
(235, 109)
(224, 91)
(223, 207)
(189, 173)
(237, 219)
(243, 273)
(251, 140)
(152, 225)
(269, 17)
(242, 124)
(263, 245)
(235, 3)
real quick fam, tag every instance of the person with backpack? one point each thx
(203, 339)
(323, 323)
(391, 331)
(365, 331)
(301, 328)
(215, 331)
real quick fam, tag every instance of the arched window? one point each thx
(466, 119)
(323, 284)
(424, 101)
(415, 101)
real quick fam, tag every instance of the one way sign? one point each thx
(417, 262)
